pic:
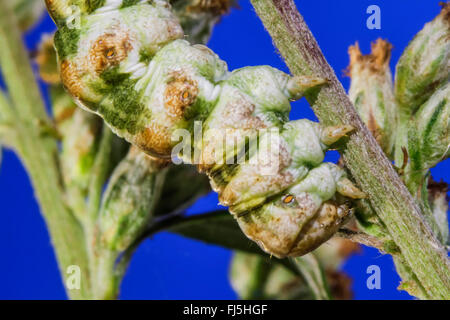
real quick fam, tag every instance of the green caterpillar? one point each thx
(126, 60)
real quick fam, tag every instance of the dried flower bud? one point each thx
(424, 66)
(372, 93)
(340, 284)
(129, 199)
(198, 17)
(438, 199)
(28, 12)
(335, 252)
(46, 60)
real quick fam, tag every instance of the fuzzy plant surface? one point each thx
(127, 62)
(409, 117)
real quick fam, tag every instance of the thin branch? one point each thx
(369, 166)
(18, 75)
(6, 124)
(361, 237)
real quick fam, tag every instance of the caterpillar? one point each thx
(127, 61)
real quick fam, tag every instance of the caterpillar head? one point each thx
(284, 198)
(301, 218)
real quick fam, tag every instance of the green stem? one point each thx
(312, 272)
(389, 197)
(7, 135)
(105, 280)
(362, 238)
(26, 96)
(5, 108)
(105, 284)
(38, 152)
(99, 173)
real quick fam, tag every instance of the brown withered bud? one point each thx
(340, 285)
(198, 17)
(372, 93)
(46, 60)
(438, 199)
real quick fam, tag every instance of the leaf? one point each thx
(218, 228)
(183, 185)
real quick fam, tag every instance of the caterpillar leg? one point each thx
(328, 220)
(348, 189)
(292, 161)
(330, 135)
(301, 218)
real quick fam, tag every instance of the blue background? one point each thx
(168, 266)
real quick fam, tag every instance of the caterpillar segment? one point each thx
(128, 63)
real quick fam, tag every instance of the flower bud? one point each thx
(28, 12)
(198, 17)
(254, 277)
(129, 199)
(424, 66)
(46, 60)
(81, 139)
(429, 138)
(371, 91)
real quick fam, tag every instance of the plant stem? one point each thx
(361, 237)
(105, 279)
(7, 135)
(38, 151)
(364, 158)
(99, 174)
(312, 272)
